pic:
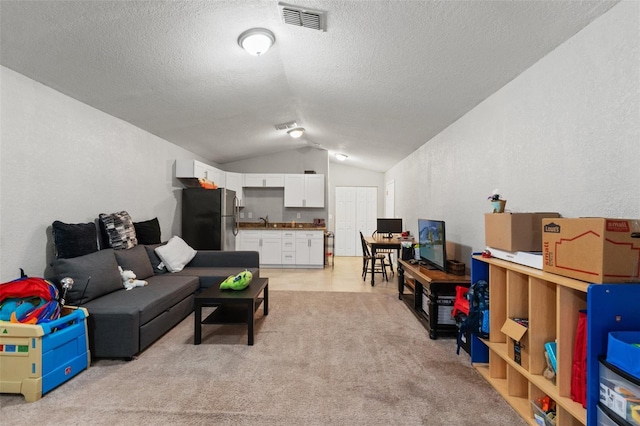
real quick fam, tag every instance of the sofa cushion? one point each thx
(118, 229)
(156, 262)
(175, 254)
(74, 239)
(136, 260)
(148, 231)
(210, 277)
(94, 275)
(163, 292)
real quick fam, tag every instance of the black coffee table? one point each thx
(232, 306)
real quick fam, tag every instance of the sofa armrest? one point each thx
(216, 258)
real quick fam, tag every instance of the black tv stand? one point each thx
(427, 266)
(430, 296)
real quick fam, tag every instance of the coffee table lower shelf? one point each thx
(231, 313)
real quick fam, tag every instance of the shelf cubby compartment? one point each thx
(552, 304)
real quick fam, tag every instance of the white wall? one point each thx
(63, 160)
(563, 136)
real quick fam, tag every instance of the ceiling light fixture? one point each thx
(296, 133)
(256, 41)
(342, 157)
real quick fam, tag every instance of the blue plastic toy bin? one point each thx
(623, 352)
(35, 359)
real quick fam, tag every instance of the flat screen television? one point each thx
(388, 227)
(433, 243)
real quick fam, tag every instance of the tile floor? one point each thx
(346, 275)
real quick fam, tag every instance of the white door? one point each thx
(390, 199)
(356, 210)
(345, 219)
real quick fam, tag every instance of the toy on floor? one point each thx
(129, 279)
(237, 282)
(29, 300)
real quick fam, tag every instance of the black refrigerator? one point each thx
(210, 218)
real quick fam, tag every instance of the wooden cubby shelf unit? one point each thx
(551, 303)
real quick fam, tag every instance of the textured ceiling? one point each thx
(383, 79)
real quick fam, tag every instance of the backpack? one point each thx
(477, 321)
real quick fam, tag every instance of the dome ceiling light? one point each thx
(256, 41)
(341, 157)
(296, 133)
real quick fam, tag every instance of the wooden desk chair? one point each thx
(378, 267)
(388, 252)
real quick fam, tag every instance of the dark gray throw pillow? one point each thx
(74, 239)
(148, 231)
(94, 275)
(136, 260)
(156, 263)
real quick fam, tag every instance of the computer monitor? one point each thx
(388, 227)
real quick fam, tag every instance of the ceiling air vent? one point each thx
(300, 17)
(286, 126)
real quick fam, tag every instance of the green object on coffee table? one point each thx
(237, 282)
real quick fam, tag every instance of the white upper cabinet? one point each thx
(263, 180)
(191, 169)
(303, 190)
(200, 170)
(234, 183)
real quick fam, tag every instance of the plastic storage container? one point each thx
(604, 419)
(619, 392)
(35, 359)
(540, 416)
(622, 352)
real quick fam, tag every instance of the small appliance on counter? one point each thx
(319, 223)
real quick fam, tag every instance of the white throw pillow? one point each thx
(175, 254)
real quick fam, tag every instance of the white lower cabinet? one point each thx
(287, 249)
(310, 248)
(267, 243)
(271, 252)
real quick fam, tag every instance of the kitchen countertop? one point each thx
(282, 225)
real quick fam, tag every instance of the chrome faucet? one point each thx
(266, 220)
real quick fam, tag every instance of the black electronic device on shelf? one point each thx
(433, 243)
(388, 226)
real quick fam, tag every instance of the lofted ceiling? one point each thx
(384, 78)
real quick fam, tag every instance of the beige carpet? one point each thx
(319, 358)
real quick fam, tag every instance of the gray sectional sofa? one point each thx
(122, 323)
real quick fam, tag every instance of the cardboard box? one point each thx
(518, 341)
(596, 250)
(515, 231)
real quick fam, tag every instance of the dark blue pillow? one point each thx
(74, 239)
(148, 232)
